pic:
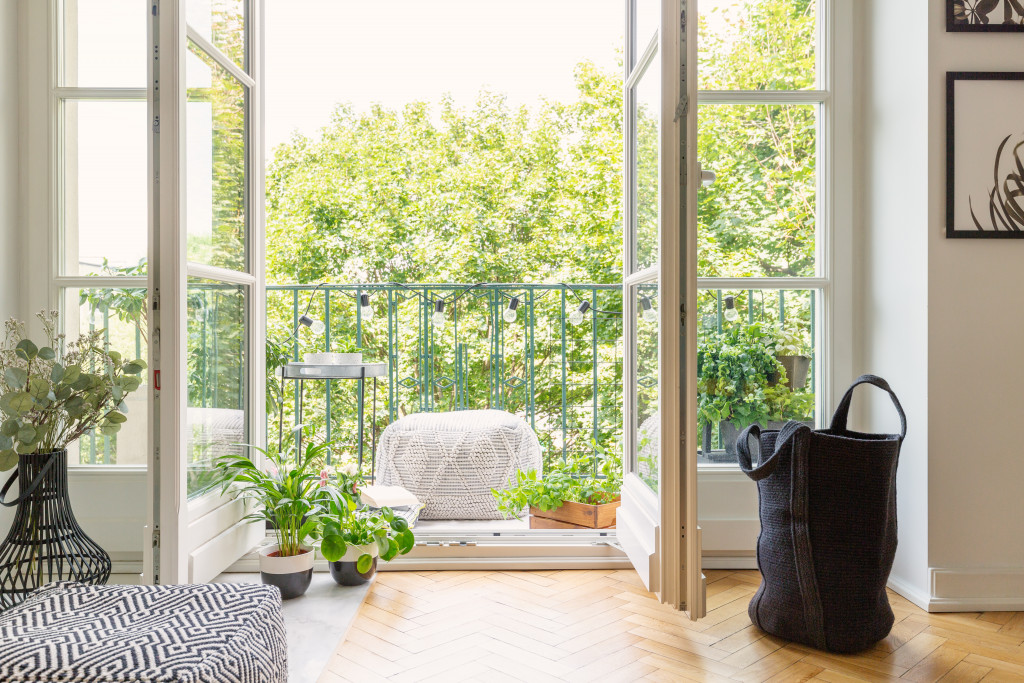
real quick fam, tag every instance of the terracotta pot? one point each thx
(344, 571)
(291, 574)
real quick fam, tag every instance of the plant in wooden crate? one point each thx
(579, 493)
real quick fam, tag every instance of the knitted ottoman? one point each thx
(207, 633)
(451, 461)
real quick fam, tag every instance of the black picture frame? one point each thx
(997, 18)
(990, 221)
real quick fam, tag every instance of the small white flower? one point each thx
(349, 470)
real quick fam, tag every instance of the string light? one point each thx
(576, 317)
(731, 314)
(315, 325)
(365, 309)
(649, 314)
(438, 316)
(510, 313)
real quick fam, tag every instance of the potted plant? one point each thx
(354, 539)
(570, 495)
(50, 396)
(292, 497)
(790, 351)
(349, 353)
(741, 382)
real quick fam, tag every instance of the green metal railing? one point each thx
(565, 380)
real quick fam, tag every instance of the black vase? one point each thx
(45, 543)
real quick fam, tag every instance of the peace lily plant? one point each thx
(53, 394)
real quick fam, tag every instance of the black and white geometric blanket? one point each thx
(206, 633)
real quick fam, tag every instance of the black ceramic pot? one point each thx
(290, 574)
(344, 571)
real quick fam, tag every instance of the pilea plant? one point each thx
(344, 528)
(51, 395)
(592, 480)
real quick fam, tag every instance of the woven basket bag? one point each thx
(828, 529)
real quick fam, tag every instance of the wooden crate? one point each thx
(575, 516)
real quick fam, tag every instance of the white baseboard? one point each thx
(729, 562)
(976, 589)
(910, 592)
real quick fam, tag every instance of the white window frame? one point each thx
(833, 317)
(57, 97)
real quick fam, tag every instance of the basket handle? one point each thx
(765, 466)
(843, 409)
(31, 487)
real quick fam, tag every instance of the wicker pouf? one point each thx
(207, 633)
(451, 461)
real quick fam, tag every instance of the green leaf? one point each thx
(15, 377)
(134, 368)
(10, 427)
(116, 418)
(46, 353)
(26, 350)
(39, 388)
(57, 373)
(364, 563)
(109, 429)
(6, 443)
(332, 548)
(71, 374)
(8, 459)
(20, 402)
(27, 434)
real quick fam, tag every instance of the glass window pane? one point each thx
(759, 216)
(648, 122)
(757, 44)
(648, 18)
(105, 220)
(217, 365)
(222, 22)
(215, 149)
(755, 364)
(648, 416)
(121, 315)
(104, 44)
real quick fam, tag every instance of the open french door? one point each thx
(207, 277)
(657, 522)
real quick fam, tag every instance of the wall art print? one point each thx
(985, 16)
(985, 154)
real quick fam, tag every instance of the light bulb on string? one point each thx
(731, 314)
(315, 325)
(576, 317)
(365, 309)
(649, 314)
(509, 314)
(437, 318)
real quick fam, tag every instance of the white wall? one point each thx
(975, 367)
(892, 248)
(937, 317)
(9, 235)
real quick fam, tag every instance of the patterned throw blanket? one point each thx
(208, 633)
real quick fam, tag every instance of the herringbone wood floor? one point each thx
(601, 625)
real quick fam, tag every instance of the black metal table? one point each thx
(300, 372)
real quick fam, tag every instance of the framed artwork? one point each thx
(985, 16)
(985, 154)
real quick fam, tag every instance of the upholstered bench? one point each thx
(451, 461)
(207, 633)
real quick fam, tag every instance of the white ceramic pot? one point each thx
(291, 574)
(354, 552)
(332, 358)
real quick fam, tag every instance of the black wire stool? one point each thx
(45, 542)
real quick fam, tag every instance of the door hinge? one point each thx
(156, 7)
(682, 314)
(156, 537)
